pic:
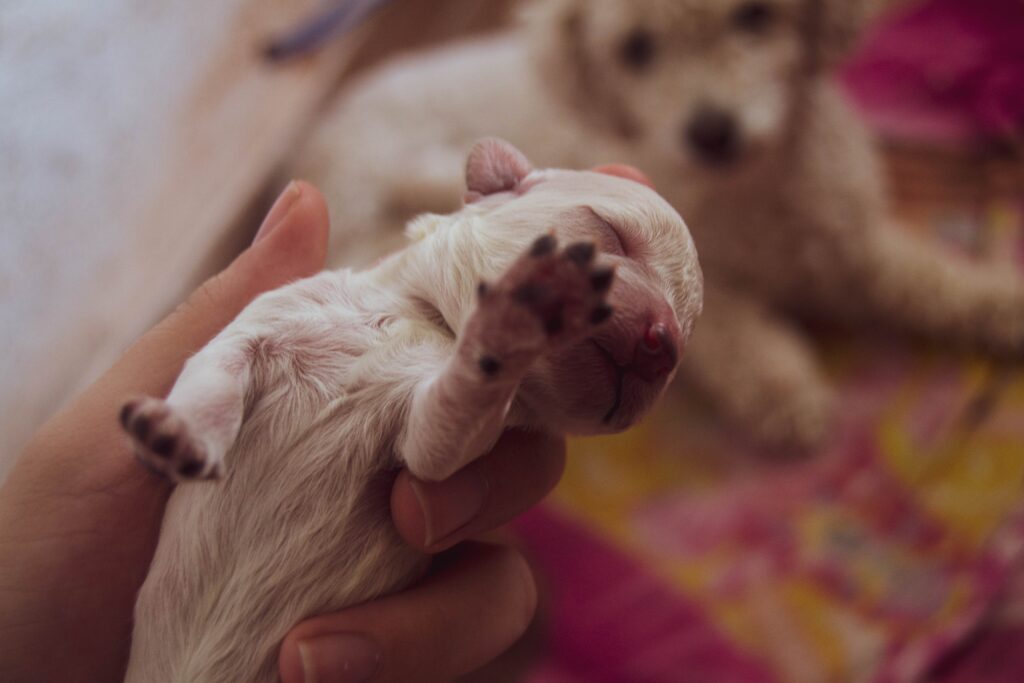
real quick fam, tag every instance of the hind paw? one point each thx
(163, 443)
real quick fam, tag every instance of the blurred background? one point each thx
(140, 142)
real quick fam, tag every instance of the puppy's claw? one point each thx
(481, 290)
(601, 314)
(543, 245)
(601, 279)
(126, 413)
(162, 442)
(140, 427)
(581, 253)
(490, 365)
(164, 446)
(190, 468)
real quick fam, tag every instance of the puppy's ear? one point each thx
(833, 27)
(494, 166)
(557, 32)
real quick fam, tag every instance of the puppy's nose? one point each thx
(714, 135)
(656, 353)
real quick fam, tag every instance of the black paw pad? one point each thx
(601, 279)
(163, 446)
(580, 253)
(553, 324)
(140, 426)
(601, 314)
(490, 366)
(530, 294)
(126, 414)
(190, 468)
(543, 246)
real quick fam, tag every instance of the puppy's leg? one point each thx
(759, 372)
(913, 285)
(187, 436)
(546, 300)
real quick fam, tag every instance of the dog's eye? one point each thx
(753, 17)
(609, 240)
(638, 49)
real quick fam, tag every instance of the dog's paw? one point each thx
(1008, 327)
(163, 443)
(549, 298)
(797, 424)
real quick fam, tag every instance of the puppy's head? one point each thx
(710, 82)
(608, 381)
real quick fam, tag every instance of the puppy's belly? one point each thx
(242, 561)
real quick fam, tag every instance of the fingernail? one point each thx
(279, 211)
(339, 658)
(450, 505)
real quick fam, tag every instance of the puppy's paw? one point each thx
(163, 443)
(1006, 337)
(564, 290)
(796, 424)
(549, 298)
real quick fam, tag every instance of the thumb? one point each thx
(479, 602)
(291, 244)
(79, 518)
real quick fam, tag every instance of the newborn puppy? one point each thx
(306, 405)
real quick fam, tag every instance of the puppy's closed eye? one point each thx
(608, 238)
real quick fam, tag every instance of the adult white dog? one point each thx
(730, 106)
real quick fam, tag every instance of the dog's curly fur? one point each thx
(787, 205)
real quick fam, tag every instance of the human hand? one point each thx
(79, 518)
(476, 601)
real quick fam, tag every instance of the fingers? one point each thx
(626, 171)
(520, 470)
(454, 622)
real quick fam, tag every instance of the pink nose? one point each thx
(656, 353)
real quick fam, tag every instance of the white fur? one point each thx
(310, 400)
(799, 223)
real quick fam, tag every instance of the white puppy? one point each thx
(306, 404)
(730, 106)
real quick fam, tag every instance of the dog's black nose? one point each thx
(714, 136)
